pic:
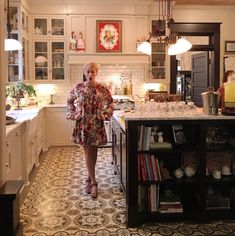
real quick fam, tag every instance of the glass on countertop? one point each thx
(152, 108)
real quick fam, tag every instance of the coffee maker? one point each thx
(229, 96)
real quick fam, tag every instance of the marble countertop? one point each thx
(123, 117)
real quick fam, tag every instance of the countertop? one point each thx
(27, 113)
(123, 117)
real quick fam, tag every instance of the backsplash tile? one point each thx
(108, 74)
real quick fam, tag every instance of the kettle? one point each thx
(210, 100)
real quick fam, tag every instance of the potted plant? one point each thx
(19, 90)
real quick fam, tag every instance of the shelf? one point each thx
(143, 185)
(108, 58)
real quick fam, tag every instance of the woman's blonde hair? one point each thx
(92, 65)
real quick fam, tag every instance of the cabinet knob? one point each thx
(6, 164)
(7, 144)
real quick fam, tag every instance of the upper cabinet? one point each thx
(49, 60)
(14, 56)
(48, 27)
(158, 60)
(18, 66)
(49, 48)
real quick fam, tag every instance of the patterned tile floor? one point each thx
(57, 205)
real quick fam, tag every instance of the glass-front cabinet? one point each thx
(158, 60)
(47, 26)
(18, 60)
(49, 60)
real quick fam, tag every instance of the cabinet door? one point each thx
(57, 27)
(123, 160)
(49, 60)
(158, 61)
(57, 127)
(47, 26)
(40, 25)
(13, 162)
(32, 144)
(57, 59)
(41, 60)
(13, 64)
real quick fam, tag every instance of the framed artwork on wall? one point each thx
(109, 36)
(229, 47)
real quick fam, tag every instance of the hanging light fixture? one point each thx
(176, 44)
(10, 43)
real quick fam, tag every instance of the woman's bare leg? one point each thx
(91, 158)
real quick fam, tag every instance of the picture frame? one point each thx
(229, 47)
(109, 36)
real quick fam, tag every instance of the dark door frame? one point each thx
(212, 30)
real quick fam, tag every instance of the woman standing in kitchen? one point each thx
(90, 103)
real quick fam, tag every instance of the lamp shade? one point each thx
(145, 48)
(182, 45)
(12, 44)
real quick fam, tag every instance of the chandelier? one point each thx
(175, 44)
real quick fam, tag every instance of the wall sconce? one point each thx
(10, 43)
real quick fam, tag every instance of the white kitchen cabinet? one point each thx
(58, 128)
(40, 133)
(18, 63)
(32, 144)
(13, 162)
(49, 56)
(46, 26)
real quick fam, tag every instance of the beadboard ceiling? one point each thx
(177, 2)
(205, 2)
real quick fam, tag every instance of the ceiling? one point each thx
(176, 2)
(204, 2)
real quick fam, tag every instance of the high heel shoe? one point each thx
(88, 186)
(94, 190)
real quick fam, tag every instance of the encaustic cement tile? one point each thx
(57, 204)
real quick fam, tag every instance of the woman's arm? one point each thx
(73, 112)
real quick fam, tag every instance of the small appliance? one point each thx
(229, 96)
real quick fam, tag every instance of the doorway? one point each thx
(212, 31)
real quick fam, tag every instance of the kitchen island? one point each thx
(204, 143)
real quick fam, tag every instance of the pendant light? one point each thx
(10, 43)
(176, 44)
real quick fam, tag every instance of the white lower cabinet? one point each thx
(40, 133)
(13, 162)
(32, 144)
(58, 128)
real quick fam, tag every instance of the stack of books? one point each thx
(170, 207)
(148, 168)
(163, 145)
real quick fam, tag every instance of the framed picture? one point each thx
(108, 36)
(230, 47)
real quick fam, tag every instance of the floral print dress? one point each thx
(90, 106)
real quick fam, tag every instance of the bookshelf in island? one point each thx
(178, 168)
